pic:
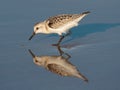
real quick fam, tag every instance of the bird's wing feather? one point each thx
(57, 69)
(59, 20)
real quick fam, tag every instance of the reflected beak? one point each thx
(32, 54)
(33, 34)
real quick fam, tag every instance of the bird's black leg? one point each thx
(61, 38)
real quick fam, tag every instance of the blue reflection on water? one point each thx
(86, 29)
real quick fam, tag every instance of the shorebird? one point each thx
(59, 24)
(58, 65)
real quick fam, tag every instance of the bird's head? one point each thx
(40, 61)
(38, 28)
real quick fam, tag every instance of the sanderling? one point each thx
(58, 65)
(58, 24)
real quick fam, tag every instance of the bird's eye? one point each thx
(37, 28)
(36, 61)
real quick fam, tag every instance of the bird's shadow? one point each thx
(87, 29)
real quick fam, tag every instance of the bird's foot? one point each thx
(56, 44)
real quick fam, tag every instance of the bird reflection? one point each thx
(58, 64)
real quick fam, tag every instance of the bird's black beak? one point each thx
(32, 54)
(33, 34)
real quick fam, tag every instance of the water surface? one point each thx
(94, 45)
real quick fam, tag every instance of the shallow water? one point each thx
(94, 45)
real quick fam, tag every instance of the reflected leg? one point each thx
(67, 56)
